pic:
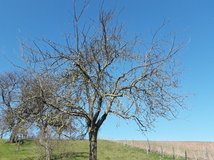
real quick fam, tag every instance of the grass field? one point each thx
(193, 150)
(76, 150)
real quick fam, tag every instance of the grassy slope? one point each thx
(77, 150)
(16, 152)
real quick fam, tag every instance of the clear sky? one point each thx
(192, 21)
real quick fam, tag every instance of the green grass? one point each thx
(17, 152)
(76, 150)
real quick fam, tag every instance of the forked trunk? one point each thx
(93, 145)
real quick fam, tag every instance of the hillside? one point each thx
(75, 150)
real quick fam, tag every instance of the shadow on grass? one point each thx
(72, 155)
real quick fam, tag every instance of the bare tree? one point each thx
(22, 100)
(3, 127)
(9, 90)
(100, 73)
(35, 91)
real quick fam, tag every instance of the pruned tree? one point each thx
(100, 73)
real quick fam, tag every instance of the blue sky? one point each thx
(192, 21)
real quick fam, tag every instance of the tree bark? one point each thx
(93, 145)
(13, 136)
(46, 147)
(44, 142)
(47, 151)
(2, 134)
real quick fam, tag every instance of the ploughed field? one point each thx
(188, 149)
(76, 150)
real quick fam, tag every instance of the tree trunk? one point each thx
(13, 136)
(93, 145)
(47, 151)
(2, 134)
(44, 142)
(46, 147)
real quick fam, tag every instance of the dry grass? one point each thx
(194, 150)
